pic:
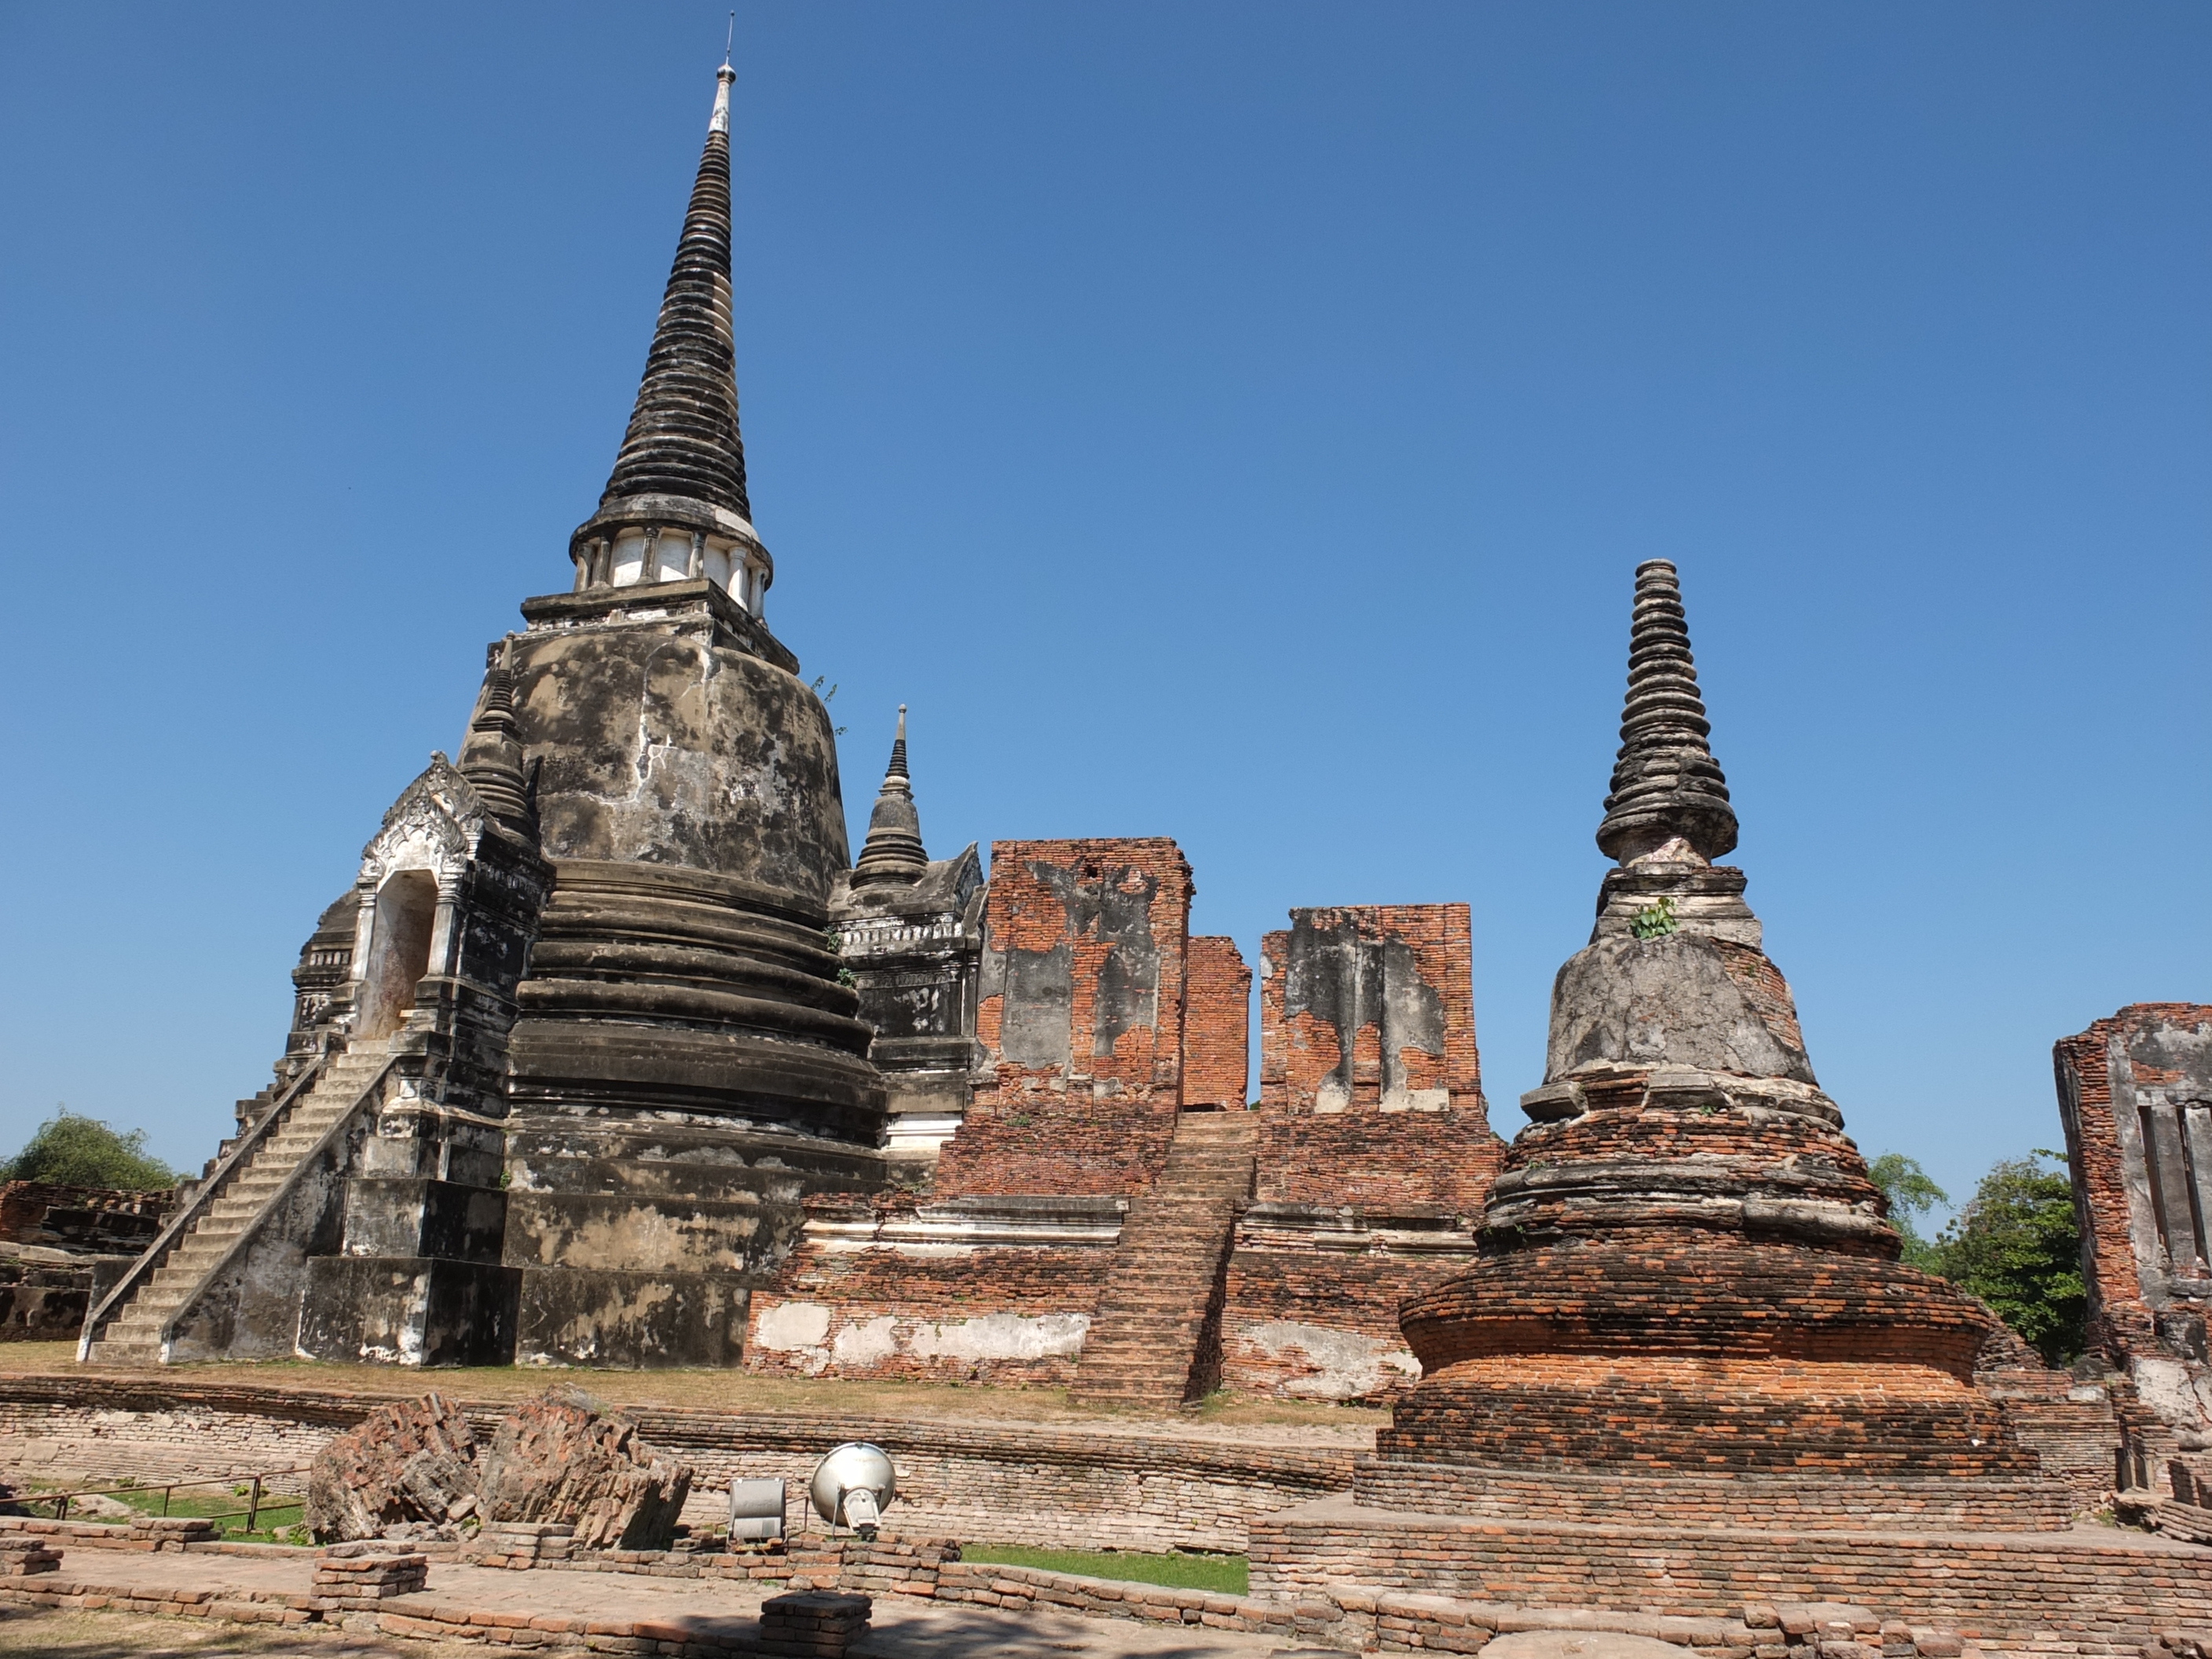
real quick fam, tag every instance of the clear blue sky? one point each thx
(1235, 422)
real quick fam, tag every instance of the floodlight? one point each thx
(756, 1510)
(853, 1486)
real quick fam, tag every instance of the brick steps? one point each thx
(133, 1336)
(1143, 1347)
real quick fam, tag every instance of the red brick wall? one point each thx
(1081, 1019)
(1217, 1039)
(1322, 1324)
(1398, 1130)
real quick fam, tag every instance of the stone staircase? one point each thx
(1163, 1289)
(132, 1335)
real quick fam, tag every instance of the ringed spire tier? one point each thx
(675, 508)
(1666, 784)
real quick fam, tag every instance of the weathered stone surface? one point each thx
(909, 933)
(566, 1459)
(411, 1463)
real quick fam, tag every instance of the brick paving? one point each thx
(903, 1627)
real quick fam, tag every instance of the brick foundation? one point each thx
(2092, 1592)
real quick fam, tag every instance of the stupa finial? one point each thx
(897, 768)
(491, 755)
(1666, 784)
(893, 851)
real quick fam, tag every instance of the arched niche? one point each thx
(402, 921)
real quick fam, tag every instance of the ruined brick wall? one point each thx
(1081, 1019)
(1217, 1059)
(99, 1220)
(1318, 1319)
(2098, 1591)
(853, 1304)
(1370, 1085)
(1035, 1484)
(2134, 1092)
(1375, 1150)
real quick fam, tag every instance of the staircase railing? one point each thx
(189, 1214)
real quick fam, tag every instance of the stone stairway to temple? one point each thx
(132, 1334)
(1142, 1346)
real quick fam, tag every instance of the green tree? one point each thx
(1912, 1194)
(74, 1151)
(2015, 1246)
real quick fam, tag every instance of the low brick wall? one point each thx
(1804, 1502)
(2101, 1591)
(1344, 1617)
(1084, 1488)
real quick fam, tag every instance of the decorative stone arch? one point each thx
(410, 879)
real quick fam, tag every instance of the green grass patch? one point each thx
(1225, 1575)
(227, 1506)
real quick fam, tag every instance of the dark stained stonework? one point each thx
(683, 439)
(910, 931)
(567, 1056)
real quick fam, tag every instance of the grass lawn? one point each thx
(226, 1506)
(1225, 1575)
(741, 1391)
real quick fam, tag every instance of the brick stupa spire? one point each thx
(1684, 1270)
(893, 851)
(1665, 783)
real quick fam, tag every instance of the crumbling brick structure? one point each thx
(1687, 1309)
(2134, 1093)
(1371, 1086)
(1376, 1150)
(1080, 1019)
(1217, 1039)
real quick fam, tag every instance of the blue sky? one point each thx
(1234, 422)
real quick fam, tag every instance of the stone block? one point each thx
(638, 1321)
(414, 1310)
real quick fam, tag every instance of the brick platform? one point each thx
(2100, 1590)
(1818, 1501)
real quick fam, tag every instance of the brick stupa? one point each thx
(1685, 1272)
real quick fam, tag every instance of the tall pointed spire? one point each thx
(893, 851)
(675, 508)
(1665, 783)
(683, 438)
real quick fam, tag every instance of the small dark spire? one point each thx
(491, 755)
(683, 439)
(1666, 782)
(893, 851)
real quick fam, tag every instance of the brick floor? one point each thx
(903, 1628)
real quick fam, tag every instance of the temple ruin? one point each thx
(611, 1054)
